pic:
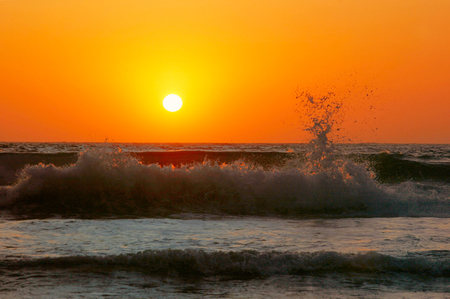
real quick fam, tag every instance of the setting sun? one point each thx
(172, 103)
(268, 148)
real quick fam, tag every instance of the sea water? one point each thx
(224, 221)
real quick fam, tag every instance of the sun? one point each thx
(172, 103)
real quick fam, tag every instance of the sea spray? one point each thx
(318, 116)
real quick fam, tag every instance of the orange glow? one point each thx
(90, 70)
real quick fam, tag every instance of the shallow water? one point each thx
(66, 237)
(61, 284)
(424, 238)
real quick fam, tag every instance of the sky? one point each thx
(91, 70)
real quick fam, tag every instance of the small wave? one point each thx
(253, 263)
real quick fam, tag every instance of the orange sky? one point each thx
(90, 70)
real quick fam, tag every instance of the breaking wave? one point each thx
(106, 182)
(387, 167)
(314, 183)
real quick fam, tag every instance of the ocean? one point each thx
(110, 220)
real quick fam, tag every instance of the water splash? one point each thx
(319, 115)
